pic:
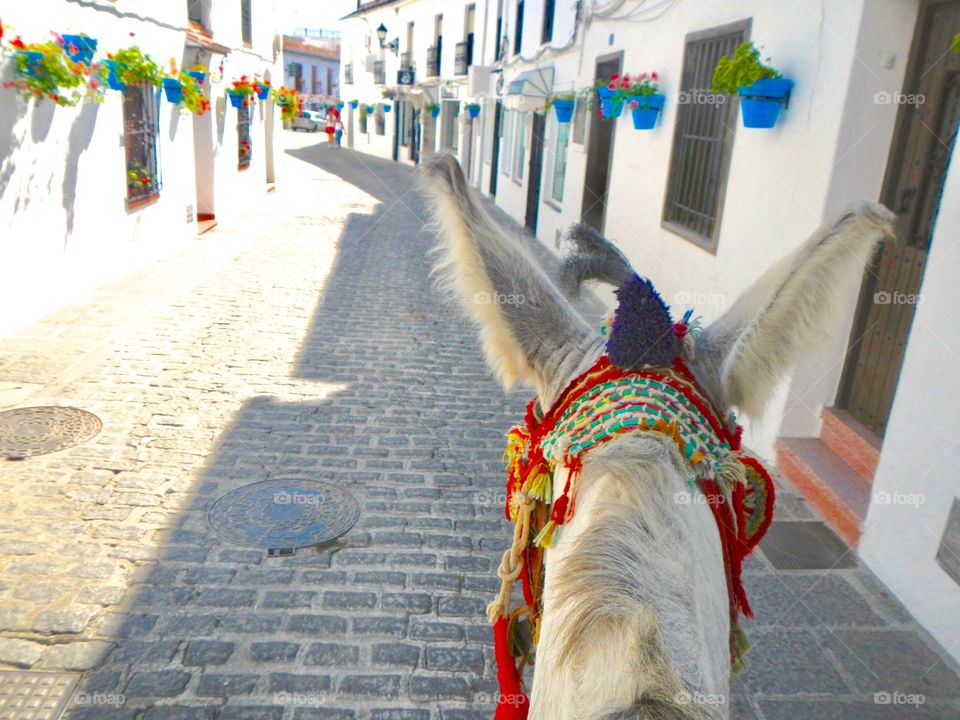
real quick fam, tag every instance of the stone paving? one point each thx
(306, 342)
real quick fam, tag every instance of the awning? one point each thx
(530, 89)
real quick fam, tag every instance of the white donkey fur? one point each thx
(636, 614)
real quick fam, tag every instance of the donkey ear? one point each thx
(791, 309)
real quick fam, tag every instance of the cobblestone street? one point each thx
(308, 343)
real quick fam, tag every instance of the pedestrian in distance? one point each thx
(338, 131)
(332, 117)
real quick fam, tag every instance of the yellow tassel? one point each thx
(539, 486)
(546, 536)
(696, 458)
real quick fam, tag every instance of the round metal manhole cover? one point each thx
(39, 430)
(283, 514)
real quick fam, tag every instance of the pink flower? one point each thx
(643, 76)
(612, 86)
(654, 76)
(615, 76)
(634, 104)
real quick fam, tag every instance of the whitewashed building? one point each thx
(69, 220)
(311, 64)
(703, 206)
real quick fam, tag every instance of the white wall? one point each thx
(920, 449)
(66, 228)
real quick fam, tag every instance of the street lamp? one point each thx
(382, 36)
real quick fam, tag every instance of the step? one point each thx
(205, 222)
(837, 492)
(851, 440)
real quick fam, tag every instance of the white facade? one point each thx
(311, 64)
(66, 225)
(831, 147)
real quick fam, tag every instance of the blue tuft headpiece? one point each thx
(642, 332)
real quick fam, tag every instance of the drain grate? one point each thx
(28, 695)
(805, 545)
(39, 430)
(282, 515)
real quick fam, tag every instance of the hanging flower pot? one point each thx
(761, 102)
(113, 82)
(339, 106)
(354, 103)
(564, 110)
(435, 112)
(29, 62)
(263, 90)
(238, 100)
(473, 110)
(79, 48)
(199, 75)
(173, 89)
(611, 104)
(387, 107)
(646, 110)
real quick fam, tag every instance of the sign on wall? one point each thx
(406, 77)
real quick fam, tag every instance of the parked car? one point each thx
(307, 120)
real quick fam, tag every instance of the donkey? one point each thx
(635, 616)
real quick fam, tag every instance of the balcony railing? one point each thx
(462, 58)
(379, 72)
(406, 61)
(433, 61)
(348, 74)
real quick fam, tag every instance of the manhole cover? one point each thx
(34, 695)
(40, 430)
(282, 515)
(805, 545)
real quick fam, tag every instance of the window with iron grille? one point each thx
(506, 140)
(381, 120)
(140, 130)
(450, 125)
(579, 120)
(519, 145)
(363, 119)
(379, 72)
(560, 161)
(549, 8)
(433, 61)
(246, 22)
(348, 74)
(244, 146)
(461, 60)
(518, 34)
(702, 140)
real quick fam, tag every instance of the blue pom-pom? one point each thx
(642, 332)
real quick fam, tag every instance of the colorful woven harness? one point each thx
(602, 404)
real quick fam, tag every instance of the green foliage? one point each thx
(194, 99)
(135, 68)
(742, 70)
(52, 75)
(955, 45)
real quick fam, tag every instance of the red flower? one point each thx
(612, 86)
(55, 97)
(144, 181)
(634, 104)
(94, 84)
(615, 76)
(625, 84)
(1, 29)
(73, 49)
(654, 76)
(18, 43)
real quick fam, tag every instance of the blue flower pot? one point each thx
(31, 60)
(263, 92)
(82, 46)
(236, 99)
(173, 89)
(435, 112)
(339, 106)
(197, 75)
(387, 107)
(611, 103)
(474, 112)
(761, 102)
(647, 111)
(354, 103)
(564, 110)
(113, 82)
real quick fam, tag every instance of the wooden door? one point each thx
(922, 145)
(536, 171)
(599, 155)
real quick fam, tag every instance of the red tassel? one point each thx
(513, 703)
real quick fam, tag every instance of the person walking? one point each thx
(332, 117)
(338, 131)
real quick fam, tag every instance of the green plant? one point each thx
(135, 68)
(45, 71)
(472, 106)
(643, 85)
(243, 86)
(289, 101)
(431, 106)
(139, 179)
(193, 98)
(742, 70)
(955, 44)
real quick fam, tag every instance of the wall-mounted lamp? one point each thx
(393, 44)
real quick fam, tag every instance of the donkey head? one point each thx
(531, 333)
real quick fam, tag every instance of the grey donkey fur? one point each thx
(635, 620)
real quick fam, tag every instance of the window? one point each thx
(518, 34)
(579, 120)
(404, 117)
(140, 129)
(450, 121)
(244, 147)
(380, 117)
(702, 141)
(506, 140)
(198, 12)
(498, 56)
(560, 161)
(246, 23)
(438, 39)
(363, 119)
(468, 32)
(519, 144)
(548, 10)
